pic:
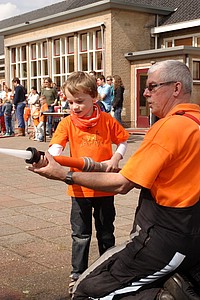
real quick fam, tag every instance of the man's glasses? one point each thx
(152, 86)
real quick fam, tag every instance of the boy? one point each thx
(35, 117)
(7, 110)
(90, 133)
(40, 126)
(27, 115)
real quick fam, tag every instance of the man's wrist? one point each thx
(69, 179)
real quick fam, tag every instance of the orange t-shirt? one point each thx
(167, 161)
(35, 117)
(27, 113)
(43, 108)
(95, 142)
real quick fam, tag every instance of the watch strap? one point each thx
(68, 179)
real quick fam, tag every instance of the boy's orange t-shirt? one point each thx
(95, 142)
(35, 116)
(167, 162)
(27, 113)
(44, 107)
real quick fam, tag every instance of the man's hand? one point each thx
(49, 168)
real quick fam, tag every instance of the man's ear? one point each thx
(177, 88)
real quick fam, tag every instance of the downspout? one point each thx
(103, 46)
(156, 36)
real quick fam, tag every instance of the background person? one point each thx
(19, 102)
(7, 110)
(40, 126)
(27, 116)
(33, 98)
(2, 121)
(51, 95)
(166, 230)
(104, 92)
(109, 81)
(118, 97)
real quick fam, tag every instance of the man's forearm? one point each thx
(107, 182)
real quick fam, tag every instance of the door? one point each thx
(143, 112)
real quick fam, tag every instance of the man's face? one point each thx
(99, 82)
(159, 95)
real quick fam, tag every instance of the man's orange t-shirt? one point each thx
(95, 142)
(168, 161)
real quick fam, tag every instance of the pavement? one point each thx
(35, 234)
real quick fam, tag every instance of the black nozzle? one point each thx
(35, 155)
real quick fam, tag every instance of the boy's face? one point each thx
(81, 104)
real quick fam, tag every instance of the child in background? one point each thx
(35, 117)
(90, 132)
(2, 122)
(7, 110)
(40, 126)
(27, 115)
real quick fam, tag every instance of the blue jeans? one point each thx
(20, 114)
(50, 119)
(81, 223)
(8, 123)
(117, 114)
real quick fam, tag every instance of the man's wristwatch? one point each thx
(68, 179)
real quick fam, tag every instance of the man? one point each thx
(104, 92)
(166, 229)
(19, 102)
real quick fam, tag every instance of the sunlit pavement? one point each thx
(35, 235)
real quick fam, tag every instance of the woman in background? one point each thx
(118, 97)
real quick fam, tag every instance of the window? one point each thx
(57, 47)
(38, 63)
(18, 66)
(63, 59)
(193, 40)
(70, 43)
(98, 40)
(83, 42)
(33, 51)
(90, 51)
(196, 70)
(44, 49)
(184, 41)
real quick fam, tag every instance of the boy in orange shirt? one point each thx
(40, 126)
(90, 133)
(27, 115)
(35, 117)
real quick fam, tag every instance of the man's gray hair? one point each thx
(174, 70)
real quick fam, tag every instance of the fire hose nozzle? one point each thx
(35, 155)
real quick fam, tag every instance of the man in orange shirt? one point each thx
(166, 230)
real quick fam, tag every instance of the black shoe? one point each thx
(181, 288)
(164, 295)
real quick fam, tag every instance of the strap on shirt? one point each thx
(183, 113)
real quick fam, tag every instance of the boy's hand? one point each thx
(113, 163)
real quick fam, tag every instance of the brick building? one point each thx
(121, 37)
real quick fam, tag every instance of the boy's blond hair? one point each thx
(81, 81)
